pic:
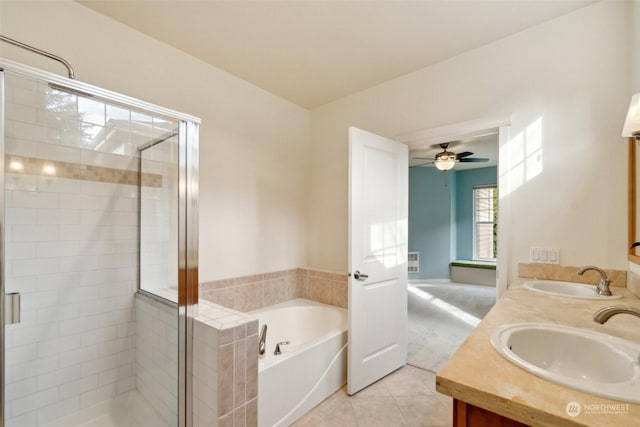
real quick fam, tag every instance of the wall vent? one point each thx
(413, 262)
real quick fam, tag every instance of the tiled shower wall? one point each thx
(70, 249)
(157, 356)
(261, 290)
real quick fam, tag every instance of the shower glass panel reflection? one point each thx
(159, 172)
(84, 227)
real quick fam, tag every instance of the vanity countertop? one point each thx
(478, 375)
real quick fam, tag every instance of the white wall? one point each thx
(571, 73)
(254, 146)
(634, 50)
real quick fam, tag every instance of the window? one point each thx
(485, 222)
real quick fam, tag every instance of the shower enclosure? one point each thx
(98, 226)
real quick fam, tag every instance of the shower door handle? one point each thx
(360, 276)
(12, 308)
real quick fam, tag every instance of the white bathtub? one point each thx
(311, 368)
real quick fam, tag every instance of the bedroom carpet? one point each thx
(440, 318)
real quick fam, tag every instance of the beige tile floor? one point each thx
(406, 397)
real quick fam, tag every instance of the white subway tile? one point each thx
(21, 354)
(21, 113)
(108, 348)
(58, 216)
(78, 326)
(58, 345)
(99, 247)
(77, 387)
(20, 389)
(59, 312)
(71, 201)
(80, 294)
(95, 218)
(97, 395)
(58, 409)
(39, 300)
(99, 335)
(34, 401)
(33, 368)
(28, 131)
(34, 233)
(63, 281)
(96, 366)
(116, 161)
(20, 216)
(79, 355)
(58, 377)
(97, 277)
(36, 266)
(114, 375)
(79, 263)
(57, 249)
(126, 329)
(27, 419)
(97, 306)
(21, 182)
(116, 317)
(15, 251)
(58, 152)
(126, 384)
(125, 218)
(85, 232)
(58, 185)
(34, 199)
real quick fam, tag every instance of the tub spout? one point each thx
(262, 343)
(277, 352)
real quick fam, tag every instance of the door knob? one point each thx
(360, 276)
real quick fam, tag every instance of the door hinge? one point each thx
(12, 308)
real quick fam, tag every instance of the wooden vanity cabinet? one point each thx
(467, 415)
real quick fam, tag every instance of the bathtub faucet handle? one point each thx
(277, 352)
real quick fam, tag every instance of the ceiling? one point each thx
(314, 52)
(485, 146)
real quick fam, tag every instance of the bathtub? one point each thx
(311, 368)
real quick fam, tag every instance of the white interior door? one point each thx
(378, 206)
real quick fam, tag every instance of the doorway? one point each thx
(453, 238)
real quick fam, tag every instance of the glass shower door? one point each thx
(77, 208)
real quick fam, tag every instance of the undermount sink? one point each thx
(581, 359)
(567, 289)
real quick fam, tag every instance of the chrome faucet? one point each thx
(605, 313)
(262, 343)
(277, 351)
(603, 285)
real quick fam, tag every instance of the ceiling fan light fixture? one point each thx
(445, 161)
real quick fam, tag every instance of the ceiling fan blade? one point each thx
(422, 158)
(473, 159)
(464, 154)
(421, 164)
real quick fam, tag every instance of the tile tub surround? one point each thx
(225, 371)
(566, 273)
(516, 393)
(261, 290)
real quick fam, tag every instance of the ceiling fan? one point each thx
(446, 160)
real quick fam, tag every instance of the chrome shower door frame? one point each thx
(188, 222)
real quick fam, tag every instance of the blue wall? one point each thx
(464, 201)
(430, 213)
(437, 200)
